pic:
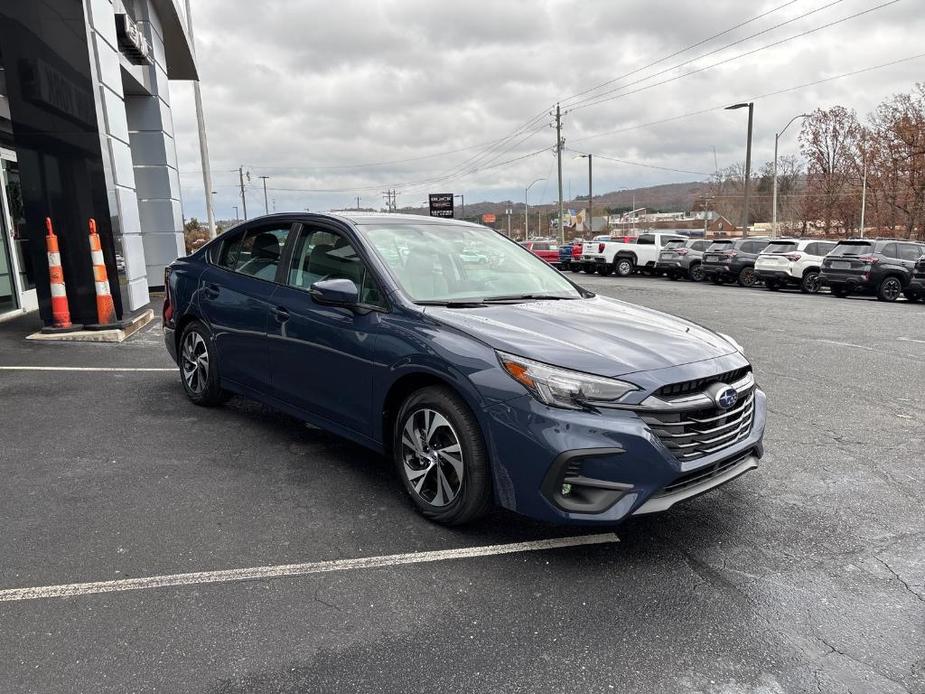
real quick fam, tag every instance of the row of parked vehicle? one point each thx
(885, 268)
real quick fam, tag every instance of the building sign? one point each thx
(132, 41)
(488, 218)
(48, 87)
(441, 204)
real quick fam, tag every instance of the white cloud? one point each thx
(289, 85)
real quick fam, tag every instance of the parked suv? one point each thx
(882, 267)
(916, 289)
(727, 260)
(681, 258)
(792, 262)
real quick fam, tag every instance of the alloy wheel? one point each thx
(747, 278)
(696, 273)
(811, 283)
(195, 362)
(890, 289)
(432, 457)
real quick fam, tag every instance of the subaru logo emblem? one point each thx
(727, 398)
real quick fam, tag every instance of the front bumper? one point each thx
(624, 468)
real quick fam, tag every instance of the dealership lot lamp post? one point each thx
(774, 230)
(527, 209)
(748, 160)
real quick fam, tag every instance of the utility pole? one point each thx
(236, 218)
(509, 210)
(863, 193)
(590, 193)
(358, 202)
(266, 204)
(462, 214)
(559, 164)
(201, 125)
(243, 198)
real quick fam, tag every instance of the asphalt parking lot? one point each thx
(805, 575)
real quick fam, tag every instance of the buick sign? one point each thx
(132, 41)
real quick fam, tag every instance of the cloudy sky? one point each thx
(334, 100)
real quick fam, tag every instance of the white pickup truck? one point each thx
(625, 255)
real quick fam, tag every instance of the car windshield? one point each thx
(720, 246)
(780, 247)
(860, 248)
(428, 262)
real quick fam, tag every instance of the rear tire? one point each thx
(623, 267)
(199, 366)
(810, 282)
(890, 289)
(747, 277)
(912, 296)
(695, 274)
(673, 276)
(441, 457)
(717, 280)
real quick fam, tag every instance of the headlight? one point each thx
(739, 348)
(561, 387)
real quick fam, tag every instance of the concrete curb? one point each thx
(113, 335)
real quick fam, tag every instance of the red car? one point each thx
(546, 250)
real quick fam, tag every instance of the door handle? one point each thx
(280, 314)
(211, 291)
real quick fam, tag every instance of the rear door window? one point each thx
(910, 251)
(698, 245)
(646, 239)
(891, 250)
(257, 252)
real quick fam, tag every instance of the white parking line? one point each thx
(263, 572)
(909, 339)
(84, 368)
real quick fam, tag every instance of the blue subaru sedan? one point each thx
(487, 377)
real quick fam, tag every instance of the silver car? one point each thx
(682, 259)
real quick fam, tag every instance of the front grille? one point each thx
(692, 434)
(699, 384)
(695, 477)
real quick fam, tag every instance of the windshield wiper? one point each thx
(527, 297)
(460, 303)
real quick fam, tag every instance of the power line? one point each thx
(598, 155)
(778, 92)
(688, 48)
(603, 99)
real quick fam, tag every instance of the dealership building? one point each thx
(86, 132)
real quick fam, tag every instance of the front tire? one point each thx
(199, 366)
(441, 458)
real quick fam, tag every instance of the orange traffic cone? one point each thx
(105, 309)
(60, 314)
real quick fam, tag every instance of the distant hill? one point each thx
(669, 197)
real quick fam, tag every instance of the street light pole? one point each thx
(201, 127)
(748, 160)
(266, 204)
(774, 230)
(527, 209)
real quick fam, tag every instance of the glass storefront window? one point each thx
(17, 233)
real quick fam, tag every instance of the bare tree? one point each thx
(828, 142)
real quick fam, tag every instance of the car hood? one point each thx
(599, 335)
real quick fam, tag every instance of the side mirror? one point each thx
(336, 292)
